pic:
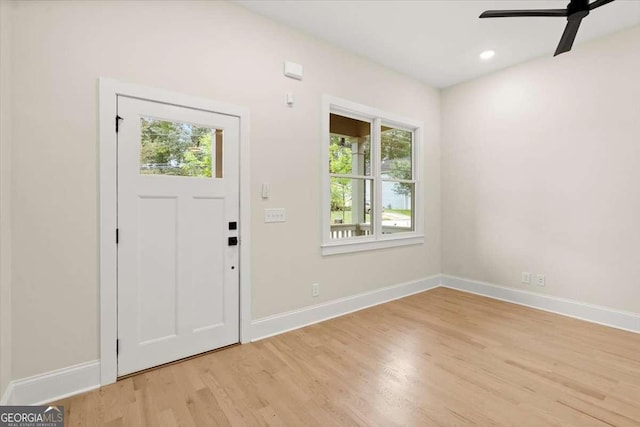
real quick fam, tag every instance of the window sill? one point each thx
(350, 246)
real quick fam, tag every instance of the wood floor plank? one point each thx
(438, 358)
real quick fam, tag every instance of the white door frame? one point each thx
(108, 90)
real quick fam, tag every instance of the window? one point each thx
(183, 149)
(371, 186)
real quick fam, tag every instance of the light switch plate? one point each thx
(275, 215)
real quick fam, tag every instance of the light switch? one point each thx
(265, 191)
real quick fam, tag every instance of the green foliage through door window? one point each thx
(171, 148)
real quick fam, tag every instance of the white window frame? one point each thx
(377, 240)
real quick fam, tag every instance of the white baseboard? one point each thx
(284, 322)
(53, 385)
(83, 377)
(566, 307)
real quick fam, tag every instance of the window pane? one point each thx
(397, 207)
(351, 207)
(183, 149)
(349, 146)
(396, 153)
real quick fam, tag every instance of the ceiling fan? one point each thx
(575, 12)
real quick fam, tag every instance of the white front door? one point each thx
(178, 206)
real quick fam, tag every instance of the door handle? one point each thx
(233, 241)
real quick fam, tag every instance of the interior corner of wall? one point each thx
(5, 192)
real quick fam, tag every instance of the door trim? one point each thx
(108, 90)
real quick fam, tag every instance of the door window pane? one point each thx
(181, 149)
(351, 207)
(349, 146)
(396, 153)
(397, 207)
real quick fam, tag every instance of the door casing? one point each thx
(108, 90)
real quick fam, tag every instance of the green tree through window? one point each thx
(170, 148)
(396, 154)
(339, 163)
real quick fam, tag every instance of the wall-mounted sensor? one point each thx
(293, 70)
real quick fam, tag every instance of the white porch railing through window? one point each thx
(344, 231)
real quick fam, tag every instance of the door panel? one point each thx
(177, 191)
(208, 310)
(157, 259)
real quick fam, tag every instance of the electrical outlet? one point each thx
(540, 280)
(315, 289)
(526, 278)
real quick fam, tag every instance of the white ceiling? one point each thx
(438, 42)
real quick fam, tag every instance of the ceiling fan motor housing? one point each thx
(577, 9)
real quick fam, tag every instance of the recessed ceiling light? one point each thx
(487, 54)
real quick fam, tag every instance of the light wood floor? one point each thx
(442, 357)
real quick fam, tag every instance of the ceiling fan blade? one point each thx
(598, 3)
(569, 35)
(533, 12)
